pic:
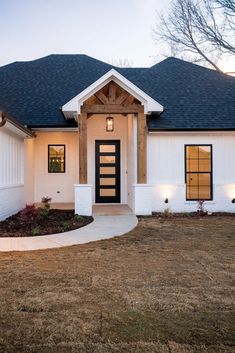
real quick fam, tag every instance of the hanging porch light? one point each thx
(109, 124)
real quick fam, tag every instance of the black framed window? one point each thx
(198, 172)
(56, 158)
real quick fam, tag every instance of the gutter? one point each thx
(6, 117)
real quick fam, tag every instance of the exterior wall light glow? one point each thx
(109, 124)
(166, 200)
(233, 200)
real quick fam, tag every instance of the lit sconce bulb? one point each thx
(109, 124)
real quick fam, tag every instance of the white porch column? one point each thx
(143, 199)
(83, 199)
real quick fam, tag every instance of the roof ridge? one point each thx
(195, 65)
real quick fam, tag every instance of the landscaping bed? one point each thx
(194, 215)
(42, 223)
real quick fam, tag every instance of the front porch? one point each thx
(112, 160)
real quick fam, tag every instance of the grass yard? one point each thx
(165, 287)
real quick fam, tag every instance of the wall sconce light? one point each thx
(109, 124)
(233, 200)
(166, 200)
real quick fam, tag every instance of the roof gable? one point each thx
(150, 105)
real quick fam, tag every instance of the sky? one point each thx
(110, 30)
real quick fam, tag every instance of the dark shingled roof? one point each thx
(193, 97)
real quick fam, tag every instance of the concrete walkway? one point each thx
(103, 227)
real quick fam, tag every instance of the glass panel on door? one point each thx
(108, 171)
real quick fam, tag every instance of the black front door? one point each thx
(107, 177)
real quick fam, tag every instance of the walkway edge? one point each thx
(103, 227)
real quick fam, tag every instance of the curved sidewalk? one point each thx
(103, 227)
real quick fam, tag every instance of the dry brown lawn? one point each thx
(165, 287)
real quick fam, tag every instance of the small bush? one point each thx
(77, 218)
(167, 212)
(65, 226)
(44, 212)
(201, 208)
(36, 231)
(29, 215)
(46, 202)
(186, 214)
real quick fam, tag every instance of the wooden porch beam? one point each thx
(100, 95)
(112, 109)
(141, 149)
(83, 148)
(122, 97)
(112, 92)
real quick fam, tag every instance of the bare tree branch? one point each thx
(202, 27)
(213, 29)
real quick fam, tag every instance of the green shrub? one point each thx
(65, 226)
(35, 231)
(77, 218)
(43, 213)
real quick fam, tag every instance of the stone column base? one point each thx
(143, 194)
(83, 199)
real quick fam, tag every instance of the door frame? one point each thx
(108, 199)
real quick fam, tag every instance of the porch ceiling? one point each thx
(112, 99)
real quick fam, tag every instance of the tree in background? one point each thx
(205, 29)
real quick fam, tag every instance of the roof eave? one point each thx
(5, 118)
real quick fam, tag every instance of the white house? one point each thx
(79, 130)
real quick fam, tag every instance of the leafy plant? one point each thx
(201, 207)
(167, 212)
(186, 214)
(35, 231)
(77, 218)
(65, 226)
(46, 202)
(44, 212)
(29, 215)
